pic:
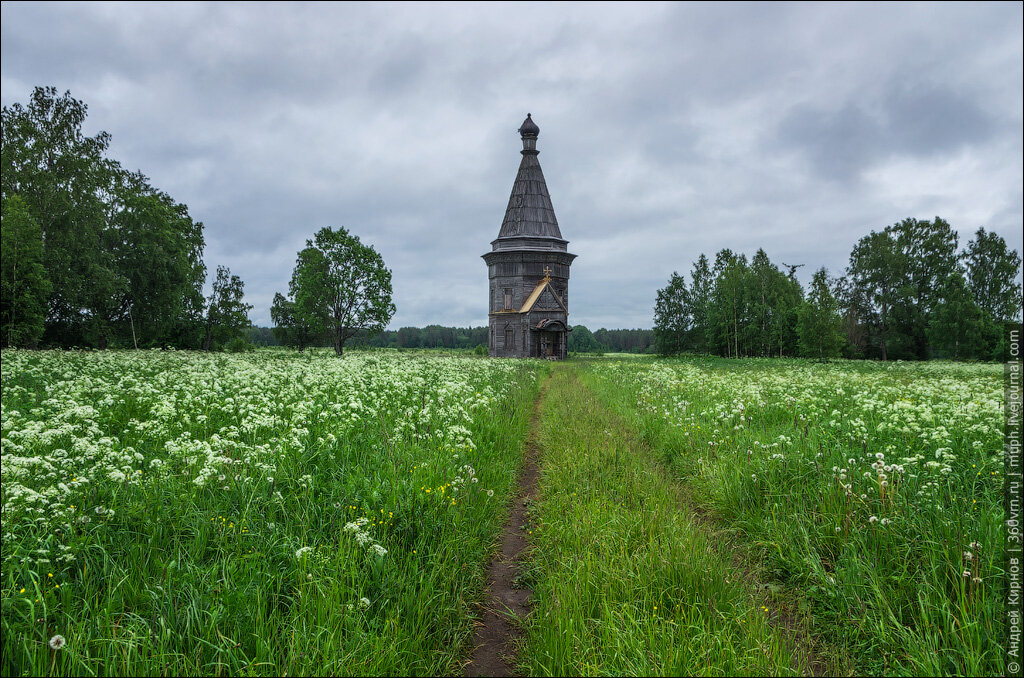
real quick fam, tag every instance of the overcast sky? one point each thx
(667, 130)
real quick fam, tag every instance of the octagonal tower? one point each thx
(528, 267)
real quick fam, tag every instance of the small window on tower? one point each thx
(508, 298)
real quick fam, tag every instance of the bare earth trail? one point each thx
(507, 601)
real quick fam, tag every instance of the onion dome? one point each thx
(529, 127)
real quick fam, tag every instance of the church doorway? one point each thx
(550, 345)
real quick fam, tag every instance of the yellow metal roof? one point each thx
(535, 295)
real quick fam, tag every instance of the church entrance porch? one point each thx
(549, 345)
(549, 340)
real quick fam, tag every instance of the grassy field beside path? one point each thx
(625, 582)
(273, 513)
(872, 493)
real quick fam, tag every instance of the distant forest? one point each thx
(581, 339)
(909, 293)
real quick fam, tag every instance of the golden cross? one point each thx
(547, 271)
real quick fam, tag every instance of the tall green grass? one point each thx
(624, 581)
(903, 570)
(263, 574)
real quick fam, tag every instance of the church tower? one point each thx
(528, 267)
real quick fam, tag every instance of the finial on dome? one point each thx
(529, 131)
(529, 128)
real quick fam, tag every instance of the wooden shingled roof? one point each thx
(529, 211)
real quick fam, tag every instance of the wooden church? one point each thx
(528, 267)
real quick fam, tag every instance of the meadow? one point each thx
(183, 513)
(867, 495)
(269, 513)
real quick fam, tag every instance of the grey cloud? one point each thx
(910, 119)
(929, 120)
(666, 130)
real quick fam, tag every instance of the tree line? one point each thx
(909, 292)
(431, 336)
(581, 339)
(93, 254)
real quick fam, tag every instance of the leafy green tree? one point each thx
(625, 341)
(701, 285)
(581, 340)
(929, 251)
(341, 286)
(62, 175)
(898, 273)
(158, 253)
(853, 306)
(227, 315)
(876, 273)
(672, 316)
(123, 259)
(775, 299)
(957, 327)
(289, 328)
(261, 336)
(789, 297)
(992, 269)
(25, 284)
(409, 337)
(819, 325)
(729, 309)
(763, 295)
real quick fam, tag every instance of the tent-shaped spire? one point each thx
(529, 211)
